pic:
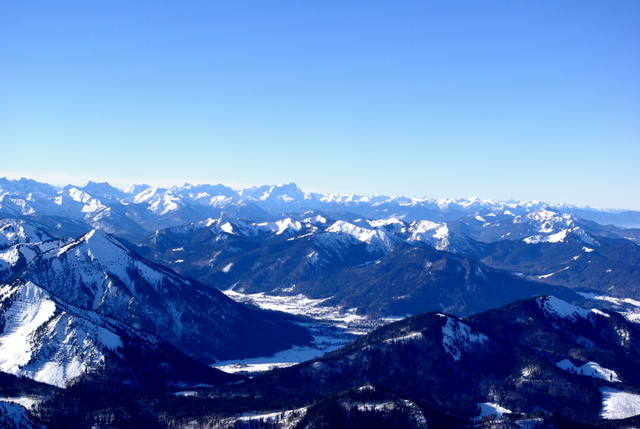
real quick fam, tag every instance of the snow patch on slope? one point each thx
(343, 233)
(287, 419)
(42, 341)
(31, 308)
(617, 404)
(591, 369)
(558, 237)
(435, 234)
(405, 338)
(555, 307)
(490, 409)
(97, 255)
(15, 231)
(459, 338)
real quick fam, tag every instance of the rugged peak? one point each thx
(14, 231)
(136, 189)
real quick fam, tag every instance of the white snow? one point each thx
(186, 393)
(359, 233)
(30, 309)
(628, 307)
(405, 338)
(458, 337)
(544, 276)
(13, 415)
(313, 257)
(600, 312)
(553, 238)
(11, 255)
(435, 234)
(316, 219)
(287, 419)
(93, 206)
(326, 338)
(13, 232)
(617, 404)
(287, 224)
(558, 237)
(489, 409)
(79, 196)
(26, 401)
(279, 227)
(301, 305)
(591, 369)
(227, 267)
(385, 222)
(96, 254)
(227, 227)
(43, 342)
(556, 307)
(611, 299)
(384, 406)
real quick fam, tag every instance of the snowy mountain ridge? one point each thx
(44, 342)
(287, 193)
(97, 273)
(142, 209)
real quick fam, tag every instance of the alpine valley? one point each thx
(209, 307)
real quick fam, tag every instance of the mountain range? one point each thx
(535, 363)
(80, 294)
(142, 209)
(527, 357)
(119, 300)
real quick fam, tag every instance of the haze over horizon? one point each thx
(505, 101)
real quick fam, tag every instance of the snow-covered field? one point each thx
(617, 404)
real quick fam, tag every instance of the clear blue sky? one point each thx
(507, 99)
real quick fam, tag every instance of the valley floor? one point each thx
(331, 327)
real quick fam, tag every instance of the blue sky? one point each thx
(525, 100)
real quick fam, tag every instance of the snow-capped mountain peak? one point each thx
(562, 236)
(42, 341)
(98, 273)
(376, 239)
(136, 189)
(13, 231)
